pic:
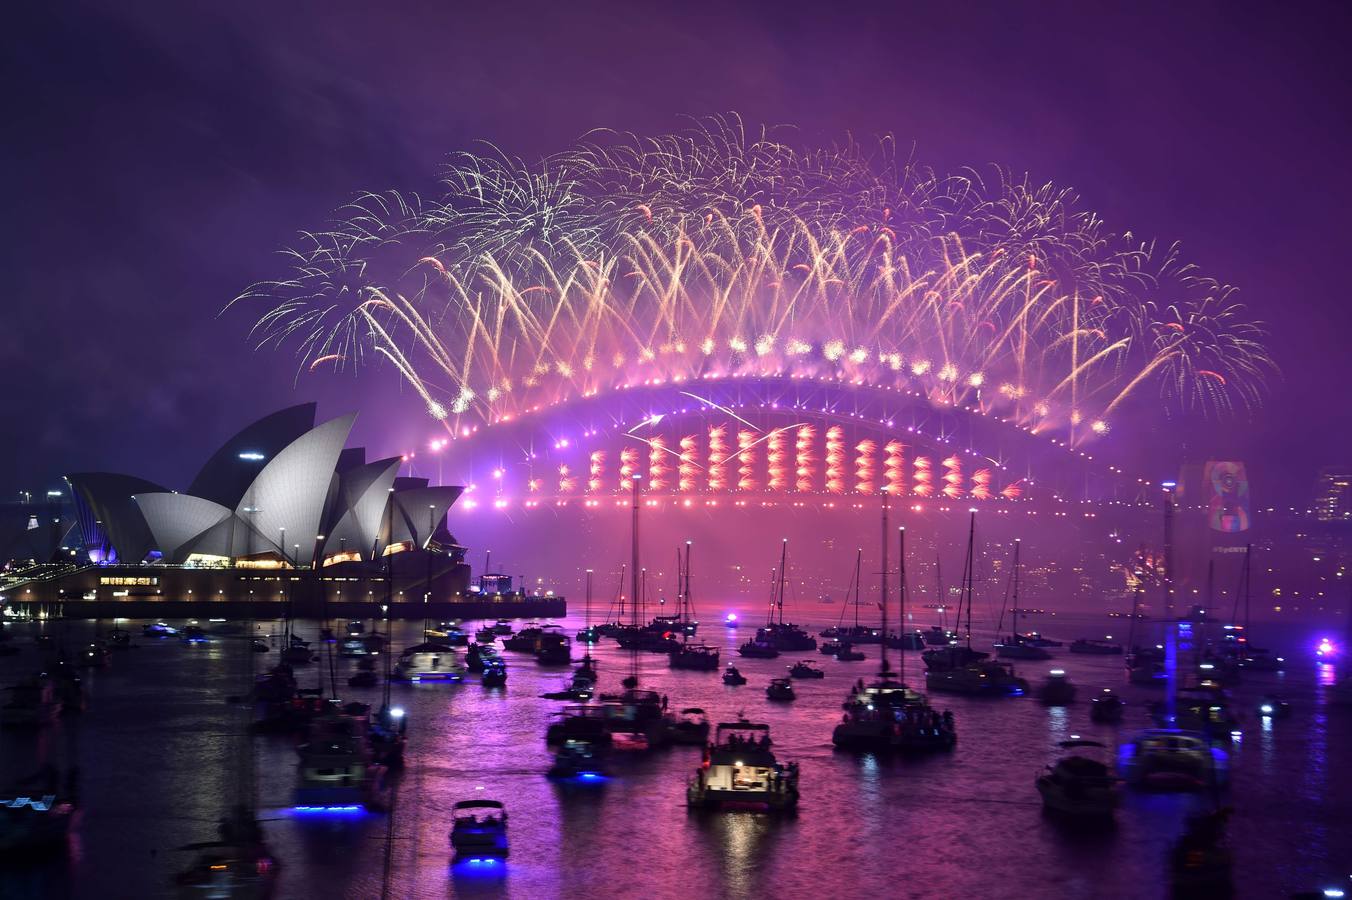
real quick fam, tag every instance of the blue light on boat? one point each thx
(328, 810)
(397, 713)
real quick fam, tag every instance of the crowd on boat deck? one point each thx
(737, 741)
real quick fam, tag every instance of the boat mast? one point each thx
(939, 587)
(968, 576)
(858, 575)
(882, 592)
(586, 653)
(389, 594)
(633, 557)
(783, 569)
(1017, 543)
(901, 604)
(686, 605)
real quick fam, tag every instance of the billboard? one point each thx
(1227, 487)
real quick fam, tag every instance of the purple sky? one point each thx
(154, 160)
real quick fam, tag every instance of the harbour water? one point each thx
(160, 754)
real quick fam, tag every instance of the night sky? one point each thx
(154, 160)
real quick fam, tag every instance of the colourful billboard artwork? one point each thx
(1228, 496)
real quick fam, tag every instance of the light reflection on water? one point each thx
(159, 752)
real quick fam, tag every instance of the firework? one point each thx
(725, 251)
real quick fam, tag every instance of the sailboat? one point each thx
(886, 715)
(959, 669)
(1016, 646)
(785, 636)
(699, 657)
(842, 648)
(761, 647)
(1251, 657)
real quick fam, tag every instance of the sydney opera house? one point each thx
(283, 515)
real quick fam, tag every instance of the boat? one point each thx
(986, 678)
(758, 649)
(1017, 646)
(365, 678)
(780, 689)
(1107, 707)
(1034, 638)
(1200, 709)
(428, 662)
(885, 716)
(937, 636)
(1273, 707)
(1079, 785)
(553, 647)
(640, 637)
(733, 677)
(846, 653)
(335, 759)
(387, 733)
(805, 669)
(525, 640)
(297, 652)
(1172, 759)
(1057, 690)
(502, 627)
(580, 722)
(589, 635)
(32, 701)
(739, 771)
(119, 639)
(1095, 647)
(479, 829)
(578, 760)
(353, 647)
(1200, 862)
(447, 633)
(907, 640)
(580, 688)
(698, 657)
(636, 719)
(94, 656)
(477, 656)
(730, 620)
(38, 813)
(158, 629)
(238, 865)
(486, 635)
(193, 634)
(494, 672)
(690, 727)
(782, 636)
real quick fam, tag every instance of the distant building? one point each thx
(1333, 495)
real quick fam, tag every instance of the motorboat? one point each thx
(786, 637)
(424, 663)
(553, 647)
(739, 771)
(780, 689)
(502, 627)
(1036, 639)
(237, 865)
(1200, 862)
(387, 733)
(578, 760)
(335, 758)
(353, 647)
(1260, 660)
(1095, 647)
(119, 639)
(580, 688)
(1199, 709)
(38, 813)
(758, 649)
(1057, 690)
(1273, 707)
(355, 628)
(258, 645)
(447, 633)
(632, 637)
(857, 634)
(696, 657)
(1080, 784)
(805, 669)
(886, 716)
(636, 719)
(494, 672)
(1107, 707)
(1172, 759)
(581, 722)
(731, 676)
(690, 727)
(193, 634)
(31, 702)
(846, 653)
(589, 635)
(486, 635)
(94, 656)
(158, 629)
(479, 829)
(985, 678)
(297, 652)
(478, 656)
(730, 620)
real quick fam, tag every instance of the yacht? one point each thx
(886, 716)
(846, 653)
(935, 636)
(1020, 646)
(1013, 648)
(334, 760)
(525, 640)
(758, 649)
(740, 771)
(780, 689)
(238, 865)
(1057, 690)
(494, 672)
(479, 829)
(1079, 784)
(580, 688)
(1172, 759)
(424, 663)
(733, 677)
(986, 679)
(502, 626)
(690, 727)
(486, 635)
(1095, 647)
(553, 648)
(907, 640)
